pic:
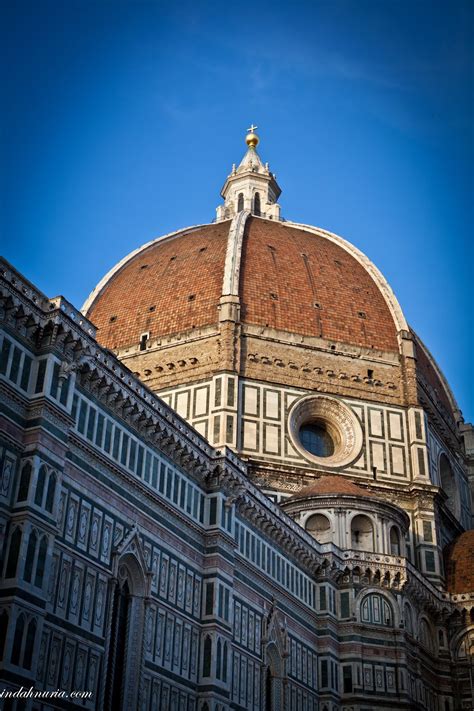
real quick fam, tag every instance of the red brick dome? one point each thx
(292, 278)
(333, 486)
(459, 564)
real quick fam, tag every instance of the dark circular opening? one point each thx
(316, 439)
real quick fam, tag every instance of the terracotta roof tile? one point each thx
(333, 485)
(290, 279)
(172, 286)
(304, 283)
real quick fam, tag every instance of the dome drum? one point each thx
(338, 511)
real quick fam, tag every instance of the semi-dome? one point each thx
(333, 486)
(336, 509)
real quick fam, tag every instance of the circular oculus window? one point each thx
(325, 431)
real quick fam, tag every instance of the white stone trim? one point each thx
(384, 287)
(233, 257)
(112, 272)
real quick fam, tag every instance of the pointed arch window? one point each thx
(118, 645)
(41, 562)
(218, 659)
(408, 618)
(18, 639)
(30, 556)
(224, 662)
(24, 485)
(40, 486)
(13, 553)
(50, 493)
(256, 205)
(207, 657)
(3, 632)
(426, 635)
(269, 690)
(240, 202)
(29, 645)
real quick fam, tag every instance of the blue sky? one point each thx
(121, 119)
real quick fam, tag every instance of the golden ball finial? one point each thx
(251, 139)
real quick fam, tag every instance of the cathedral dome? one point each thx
(292, 278)
(272, 300)
(459, 564)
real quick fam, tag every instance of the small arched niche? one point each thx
(240, 202)
(256, 205)
(395, 542)
(319, 527)
(448, 484)
(362, 534)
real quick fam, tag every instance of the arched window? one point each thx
(426, 635)
(40, 486)
(41, 562)
(408, 618)
(240, 202)
(50, 493)
(218, 659)
(224, 662)
(30, 556)
(207, 657)
(273, 682)
(269, 690)
(117, 659)
(24, 485)
(256, 205)
(3, 632)
(13, 553)
(448, 483)
(465, 647)
(30, 643)
(395, 547)
(376, 610)
(319, 527)
(18, 639)
(362, 533)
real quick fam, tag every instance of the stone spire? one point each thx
(251, 186)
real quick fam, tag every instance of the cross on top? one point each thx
(252, 129)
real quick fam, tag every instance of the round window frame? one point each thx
(339, 420)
